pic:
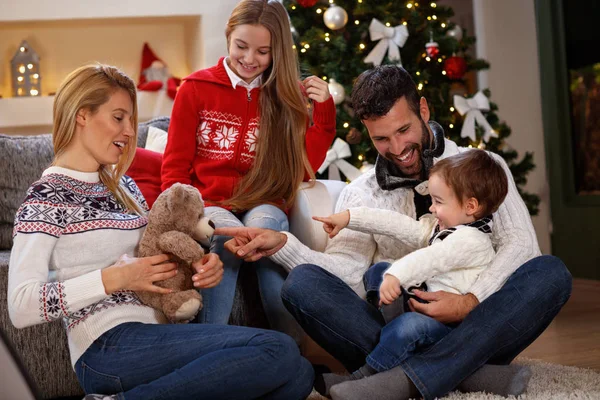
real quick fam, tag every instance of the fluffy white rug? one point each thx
(549, 382)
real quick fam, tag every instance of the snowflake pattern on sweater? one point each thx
(218, 133)
(58, 205)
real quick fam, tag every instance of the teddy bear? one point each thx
(176, 224)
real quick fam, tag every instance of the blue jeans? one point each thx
(495, 332)
(218, 301)
(194, 361)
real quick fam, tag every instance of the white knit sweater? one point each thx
(67, 230)
(349, 254)
(452, 264)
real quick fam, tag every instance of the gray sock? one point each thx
(388, 385)
(363, 372)
(324, 382)
(504, 380)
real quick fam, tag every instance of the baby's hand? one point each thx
(389, 289)
(334, 223)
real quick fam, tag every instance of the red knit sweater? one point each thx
(213, 133)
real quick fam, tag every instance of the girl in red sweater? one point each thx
(239, 133)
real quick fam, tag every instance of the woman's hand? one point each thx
(209, 271)
(335, 222)
(131, 273)
(316, 89)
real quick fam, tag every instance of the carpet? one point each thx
(548, 382)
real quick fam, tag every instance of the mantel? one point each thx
(20, 112)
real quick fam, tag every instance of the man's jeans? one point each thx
(194, 361)
(218, 301)
(495, 332)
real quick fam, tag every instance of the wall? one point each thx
(507, 38)
(116, 29)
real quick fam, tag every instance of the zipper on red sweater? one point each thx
(249, 97)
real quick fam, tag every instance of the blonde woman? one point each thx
(73, 259)
(249, 178)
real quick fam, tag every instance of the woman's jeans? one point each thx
(494, 332)
(218, 301)
(194, 361)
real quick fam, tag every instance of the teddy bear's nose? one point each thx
(211, 224)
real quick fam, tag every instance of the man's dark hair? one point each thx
(376, 90)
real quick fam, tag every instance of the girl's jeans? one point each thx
(218, 301)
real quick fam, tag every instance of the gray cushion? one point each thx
(158, 122)
(23, 160)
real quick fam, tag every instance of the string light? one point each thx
(327, 34)
(416, 4)
(434, 17)
(307, 46)
(388, 24)
(404, 23)
(20, 79)
(324, 78)
(418, 73)
(451, 109)
(428, 59)
(346, 124)
(409, 5)
(451, 126)
(360, 157)
(443, 72)
(360, 1)
(433, 5)
(420, 87)
(428, 18)
(293, 7)
(302, 50)
(33, 92)
(29, 66)
(22, 69)
(439, 60)
(319, 11)
(356, 22)
(22, 49)
(327, 39)
(330, 1)
(443, 24)
(362, 46)
(294, 47)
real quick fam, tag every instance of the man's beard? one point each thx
(414, 171)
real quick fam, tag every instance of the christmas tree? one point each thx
(339, 41)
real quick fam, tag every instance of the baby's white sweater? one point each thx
(67, 230)
(451, 265)
(349, 254)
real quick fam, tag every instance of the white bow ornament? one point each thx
(390, 41)
(335, 161)
(472, 108)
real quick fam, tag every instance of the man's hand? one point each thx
(443, 306)
(389, 289)
(252, 244)
(209, 271)
(335, 222)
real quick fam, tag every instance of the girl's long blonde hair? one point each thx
(89, 87)
(281, 161)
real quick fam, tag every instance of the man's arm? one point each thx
(514, 238)
(348, 255)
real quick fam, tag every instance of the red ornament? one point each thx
(432, 49)
(455, 67)
(307, 3)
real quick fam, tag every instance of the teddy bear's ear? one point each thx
(177, 197)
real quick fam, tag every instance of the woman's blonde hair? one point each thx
(281, 161)
(87, 88)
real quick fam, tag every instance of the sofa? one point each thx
(42, 349)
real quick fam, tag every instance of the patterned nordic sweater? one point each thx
(349, 254)
(68, 228)
(452, 264)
